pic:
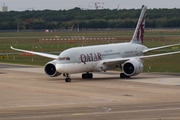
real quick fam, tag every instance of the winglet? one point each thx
(138, 36)
(12, 48)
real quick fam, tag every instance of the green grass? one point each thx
(32, 41)
(168, 63)
(28, 60)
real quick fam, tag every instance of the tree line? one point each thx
(77, 18)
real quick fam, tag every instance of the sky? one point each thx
(21, 5)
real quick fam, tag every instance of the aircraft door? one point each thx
(122, 53)
(78, 59)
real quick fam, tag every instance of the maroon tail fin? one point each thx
(138, 36)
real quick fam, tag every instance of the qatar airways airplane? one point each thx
(128, 57)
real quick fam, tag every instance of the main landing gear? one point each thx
(67, 79)
(84, 76)
(87, 75)
(122, 75)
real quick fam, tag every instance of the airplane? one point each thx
(128, 56)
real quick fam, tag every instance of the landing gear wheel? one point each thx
(90, 75)
(68, 79)
(87, 76)
(84, 76)
(67, 75)
(122, 75)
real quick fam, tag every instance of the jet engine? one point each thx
(50, 69)
(132, 67)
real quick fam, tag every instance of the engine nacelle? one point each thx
(132, 67)
(50, 69)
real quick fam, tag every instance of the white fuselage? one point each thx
(90, 58)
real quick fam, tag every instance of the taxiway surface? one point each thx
(27, 93)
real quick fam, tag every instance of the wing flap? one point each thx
(37, 53)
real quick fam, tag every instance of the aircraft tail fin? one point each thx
(138, 36)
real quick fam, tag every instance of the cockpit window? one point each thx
(64, 58)
(67, 58)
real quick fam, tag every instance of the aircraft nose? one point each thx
(60, 68)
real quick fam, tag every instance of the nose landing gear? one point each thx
(67, 79)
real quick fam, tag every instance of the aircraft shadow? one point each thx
(2, 73)
(99, 79)
(115, 77)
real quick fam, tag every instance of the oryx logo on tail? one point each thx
(138, 36)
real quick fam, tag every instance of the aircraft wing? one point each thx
(122, 60)
(156, 48)
(157, 55)
(37, 53)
